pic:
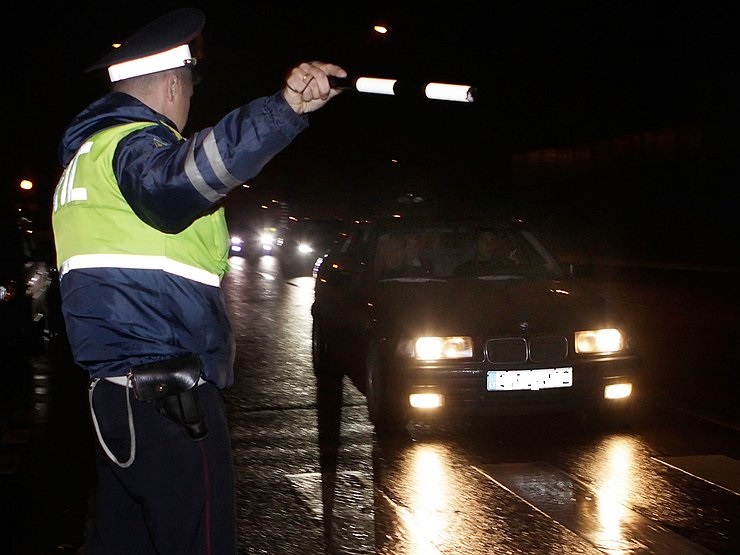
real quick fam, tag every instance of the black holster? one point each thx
(184, 409)
(171, 386)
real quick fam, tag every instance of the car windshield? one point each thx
(445, 252)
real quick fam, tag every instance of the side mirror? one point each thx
(338, 270)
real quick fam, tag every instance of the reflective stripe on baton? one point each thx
(431, 90)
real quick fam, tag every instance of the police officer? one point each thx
(142, 246)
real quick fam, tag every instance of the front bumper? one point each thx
(464, 388)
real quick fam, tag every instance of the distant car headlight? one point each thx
(267, 239)
(304, 248)
(436, 348)
(606, 340)
(236, 243)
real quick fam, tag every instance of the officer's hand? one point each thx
(307, 86)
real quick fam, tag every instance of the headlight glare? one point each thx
(435, 348)
(618, 391)
(426, 400)
(267, 239)
(606, 340)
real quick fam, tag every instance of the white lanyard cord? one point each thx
(132, 434)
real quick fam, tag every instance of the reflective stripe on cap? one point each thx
(170, 59)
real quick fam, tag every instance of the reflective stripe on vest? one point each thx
(141, 262)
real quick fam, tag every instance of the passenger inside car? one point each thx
(492, 253)
(400, 257)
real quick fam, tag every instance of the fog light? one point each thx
(618, 391)
(426, 400)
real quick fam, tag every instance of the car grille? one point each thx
(513, 350)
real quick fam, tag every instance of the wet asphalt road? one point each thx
(312, 478)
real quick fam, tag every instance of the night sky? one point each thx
(548, 75)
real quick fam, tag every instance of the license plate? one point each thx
(517, 380)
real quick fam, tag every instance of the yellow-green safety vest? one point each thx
(94, 227)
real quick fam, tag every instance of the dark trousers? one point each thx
(178, 496)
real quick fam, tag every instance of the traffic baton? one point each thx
(393, 87)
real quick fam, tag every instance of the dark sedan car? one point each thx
(431, 318)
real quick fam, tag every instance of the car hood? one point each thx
(502, 306)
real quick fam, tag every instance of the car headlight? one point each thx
(435, 348)
(267, 239)
(606, 340)
(304, 248)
